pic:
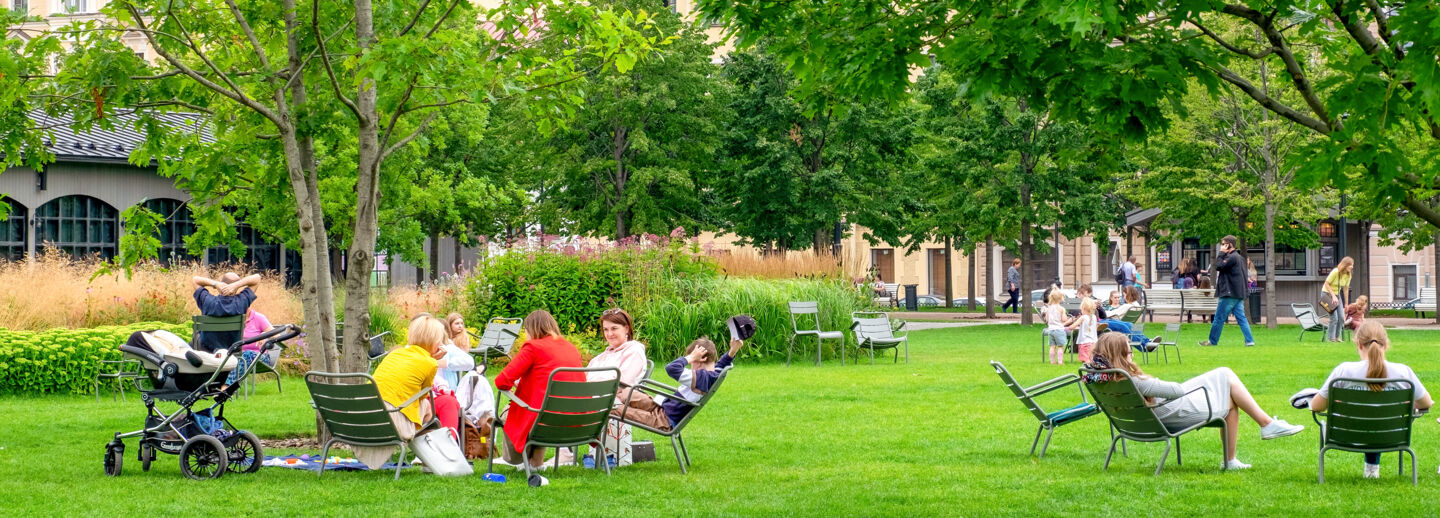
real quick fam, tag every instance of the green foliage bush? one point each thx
(667, 325)
(674, 293)
(63, 360)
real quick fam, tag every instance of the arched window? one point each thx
(260, 254)
(12, 232)
(79, 225)
(178, 224)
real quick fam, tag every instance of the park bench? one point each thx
(1164, 302)
(1426, 302)
(1198, 301)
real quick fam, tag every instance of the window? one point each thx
(12, 232)
(1403, 277)
(1288, 260)
(882, 263)
(178, 224)
(260, 253)
(78, 225)
(74, 6)
(1192, 248)
(20, 6)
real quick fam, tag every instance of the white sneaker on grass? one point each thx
(1233, 464)
(1279, 428)
(1372, 471)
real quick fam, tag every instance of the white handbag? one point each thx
(439, 451)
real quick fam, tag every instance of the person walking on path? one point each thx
(1229, 271)
(1127, 272)
(1012, 286)
(1333, 291)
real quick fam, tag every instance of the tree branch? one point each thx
(195, 47)
(1270, 103)
(1421, 210)
(294, 74)
(415, 19)
(442, 19)
(418, 129)
(1230, 47)
(1292, 66)
(329, 71)
(250, 34)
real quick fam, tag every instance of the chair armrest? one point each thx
(853, 324)
(1048, 386)
(650, 383)
(511, 333)
(1209, 410)
(514, 399)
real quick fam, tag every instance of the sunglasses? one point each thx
(612, 311)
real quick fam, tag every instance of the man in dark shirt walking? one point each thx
(1230, 288)
(232, 297)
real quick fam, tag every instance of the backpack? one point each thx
(1120, 279)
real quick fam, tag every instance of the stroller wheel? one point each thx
(114, 458)
(245, 453)
(203, 457)
(147, 455)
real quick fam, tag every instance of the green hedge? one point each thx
(63, 360)
(667, 325)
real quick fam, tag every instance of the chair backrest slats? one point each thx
(500, 334)
(1019, 391)
(807, 312)
(351, 407)
(218, 324)
(1364, 419)
(575, 412)
(1125, 407)
(704, 400)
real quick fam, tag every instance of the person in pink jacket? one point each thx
(623, 352)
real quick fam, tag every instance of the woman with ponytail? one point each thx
(1372, 343)
(1180, 408)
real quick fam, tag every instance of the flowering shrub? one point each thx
(63, 360)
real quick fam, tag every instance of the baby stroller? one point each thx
(207, 444)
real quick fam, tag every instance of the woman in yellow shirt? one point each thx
(1335, 286)
(408, 370)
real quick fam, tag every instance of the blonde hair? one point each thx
(460, 339)
(1056, 297)
(1347, 263)
(1015, 262)
(1373, 343)
(427, 332)
(1087, 306)
(540, 324)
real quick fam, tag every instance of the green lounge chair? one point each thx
(353, 413)
(1366, 421)
(677, 442)
(874, 330)
(1135, 420)
(1048, 420)
(574, 413)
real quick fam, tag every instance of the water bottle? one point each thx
(494, 477)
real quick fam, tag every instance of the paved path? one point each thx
(943, 319)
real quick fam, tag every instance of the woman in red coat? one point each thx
(528, 374)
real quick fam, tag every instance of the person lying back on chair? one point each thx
(233, 297)
(696, 372)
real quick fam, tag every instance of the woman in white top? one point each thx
(1372, 342)
(453, 361)
(623, 352)
(1223, 395)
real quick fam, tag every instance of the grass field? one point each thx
(938, 437)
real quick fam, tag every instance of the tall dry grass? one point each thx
(54, 290)
(746, 262)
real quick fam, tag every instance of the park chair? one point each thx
(1116, 395)
(1133, 316)
(1048, 420)
(573, 414)
(1070, 346)
(117, 371)
(677, 441)
(810, 312)
(262, 368)
(1138, 328)
(497, 339)
(377, 350)
(349, 404)
(1309, 319)
(1425, 303)
(1367, 421)
(231, 325)
(1170, 339)
(873, 330)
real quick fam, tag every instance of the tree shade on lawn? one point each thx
(940, 436)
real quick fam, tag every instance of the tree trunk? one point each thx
(361, 260)
(317, 297)
(1436, 270)
(1027, 255)
(1270, 209)
(989, 277)
(621, 230)
(970, 287)
(949, 276)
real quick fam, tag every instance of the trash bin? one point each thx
(912, 302)
(1252, 305)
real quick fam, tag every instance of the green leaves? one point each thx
(63, 361)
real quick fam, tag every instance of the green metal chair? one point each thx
(874, 330)
(1138, 328)
(1170, 339)
(573, 414)
(1048, 420)
(117, 371)
(350, 406)
(1135, 420)
(677, 441)
(264, 368)
(1368, 421)
(812, 310)
(498, 338)
(1133, 315)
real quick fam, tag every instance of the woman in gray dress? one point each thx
(1179, 408)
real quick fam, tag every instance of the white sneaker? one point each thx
(1372, 471)
(1234, 464)
(1279, 428)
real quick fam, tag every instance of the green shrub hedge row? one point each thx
(63, 360)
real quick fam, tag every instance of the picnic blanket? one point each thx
(312, 463)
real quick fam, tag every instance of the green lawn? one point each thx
(940, 436)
